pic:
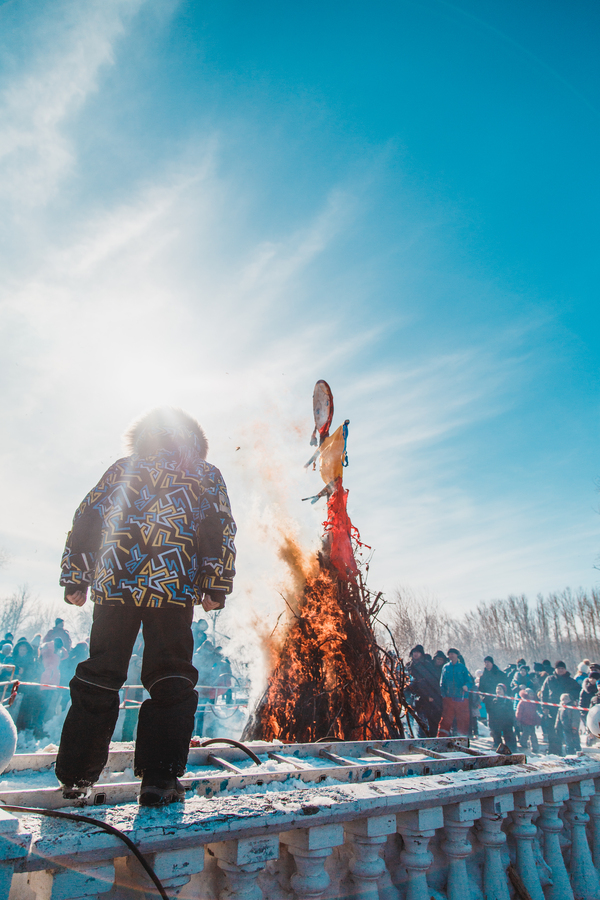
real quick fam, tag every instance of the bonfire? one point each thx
(330, 677)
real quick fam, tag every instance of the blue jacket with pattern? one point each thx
(155, 531)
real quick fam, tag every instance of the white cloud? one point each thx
(35, 151)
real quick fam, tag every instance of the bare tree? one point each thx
(14, 610)
(565, 625)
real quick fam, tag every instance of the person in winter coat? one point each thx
(546, 670)
(491, 677)
(568, 722)
(5, 660)
(29, 714)
(588, 689)
(59, 631)
(152, 539)
(67, 668)
(521, 679)
(425, 688)
(583, 670)
(554, 686)
(439, 661)
(528, 718)
(51, 655)
(24, 660)
(455, 684)
(501, 714)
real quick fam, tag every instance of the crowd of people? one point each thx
(48, 662)
(40, 666)
(513, 702)
(214, 679)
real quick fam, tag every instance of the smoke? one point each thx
(278, 535)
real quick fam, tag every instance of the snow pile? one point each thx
(8, 738)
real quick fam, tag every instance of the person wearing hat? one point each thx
(589, 689)
(439, 660)
(521, 679)
(583, 670)
(502, 719)
(490, 677)
(528, 717)
(568, 721)
(555, 685)
(425, 688)
(455, 685)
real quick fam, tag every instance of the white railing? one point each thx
(522, 831)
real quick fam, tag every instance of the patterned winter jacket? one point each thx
(153, 532)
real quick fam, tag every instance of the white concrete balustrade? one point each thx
(514, 831)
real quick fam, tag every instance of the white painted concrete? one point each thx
(455, 836)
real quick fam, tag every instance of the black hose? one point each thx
(75, 817)
(233, 743)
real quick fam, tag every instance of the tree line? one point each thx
(562, 625)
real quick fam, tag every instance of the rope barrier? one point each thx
(525, 700)
(217, 692)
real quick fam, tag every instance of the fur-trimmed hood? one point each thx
(166, 428)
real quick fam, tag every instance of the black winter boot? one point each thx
(160, 790)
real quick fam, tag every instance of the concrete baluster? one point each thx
(551, 825)
(71, 884)
(417, 827)
(593, 810)
(366, 838)
(310, 847)
(524, 833)
(174, 868)
(14, 844)
(242, 861)
(458, 819)
(584, 878)
(490, 835)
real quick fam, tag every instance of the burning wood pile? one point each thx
(330, 677)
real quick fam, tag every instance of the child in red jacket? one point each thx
(528, 717)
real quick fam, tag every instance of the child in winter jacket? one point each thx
(568, 717)
(528, 716)
(501, 716)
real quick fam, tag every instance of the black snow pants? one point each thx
(166, 720)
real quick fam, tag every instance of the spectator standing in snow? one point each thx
(583, 670)
(569, 721)
(151, 540)
(560, 682)
(199, 630)
(589, 689)
(51, 653)
(25, 664)
(59, 631)
(502, 719)
(528, 718)
(5, 660)
(425, 688)
(489, 679)
(521, 679)
(67, 669)
(439, 661)
(455, 684)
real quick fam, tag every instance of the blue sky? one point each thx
(214, 204)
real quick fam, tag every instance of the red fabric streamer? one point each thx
(341, 533)
(13, 693)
